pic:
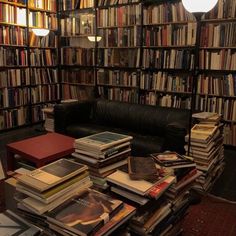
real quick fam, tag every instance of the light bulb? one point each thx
(202, 6)
(41, 32)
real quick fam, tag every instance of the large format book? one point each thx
(101, 141)
(52, 174)
(13, 225)
(142, 187)
(85, 213)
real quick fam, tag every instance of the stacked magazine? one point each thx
(206, 148)
(103, 153)
(43, 189)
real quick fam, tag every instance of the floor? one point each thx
(224, 187)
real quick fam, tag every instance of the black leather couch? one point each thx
(154, 129)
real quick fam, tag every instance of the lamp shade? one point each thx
(199, 5)
(94, 38)
(41, 32)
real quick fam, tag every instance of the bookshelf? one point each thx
(28, 67)
(118, 69)
(78, 77)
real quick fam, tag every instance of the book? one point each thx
(173, 160)
(14, 225)
(2, 172)
(102, 141)
(39, 207)
(141, 167)
(206, 129)
(85, 213)
(55, 192)
(142, 187)
(204, 115)
(52, 174)
(120, 218)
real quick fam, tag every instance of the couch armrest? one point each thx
(175, 137)
(70, 113)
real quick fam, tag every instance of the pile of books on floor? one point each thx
(58, 199)
(13, 224)
(103, 153)
(43, 189)
(48, 113)
(206, 148)
(149, 184)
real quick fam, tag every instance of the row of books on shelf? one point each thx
(13, 35)
(224, 85)
(75, 4)
(129, 15)
(14, 118)
(45, 93)
(78, 56)
(115, 2)
(224, 9)
(230, 134)
(168, 59)
(75, 92)
(162, 81)
(49, 40)
(120, 37)
(10, 56)
(119, 94)
(120, 57)
(117, 77)
(169, 35)
(218, 35)
(49, 5)
(83, 24)
(14, 78)
(80, 76)
(43, 76)
(14, 97)
(44, 57)
(222, 59)
(166, 12)
(12, 14)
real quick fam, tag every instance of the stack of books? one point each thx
(43, 189)
(89, 213)
(145, 186)
(13, 224)
(103, 153)
(48, 113)
(206, 148)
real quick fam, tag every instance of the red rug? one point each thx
(211, 217)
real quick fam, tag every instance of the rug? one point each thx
(213, 216)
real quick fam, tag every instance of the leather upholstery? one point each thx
(154, 129)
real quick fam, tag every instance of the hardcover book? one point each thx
(173, 160)
(52, 174)
(101, 141)
(141, 167)
(85, 213)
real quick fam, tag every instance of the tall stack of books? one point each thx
(144, 183)
(48, 113)
(103, 153)
(207, 148)
(43, 189)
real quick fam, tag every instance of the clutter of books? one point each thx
(206, 148)
(145, 195)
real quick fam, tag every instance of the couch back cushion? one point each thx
(143, 119)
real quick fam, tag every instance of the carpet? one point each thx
(213, 216)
